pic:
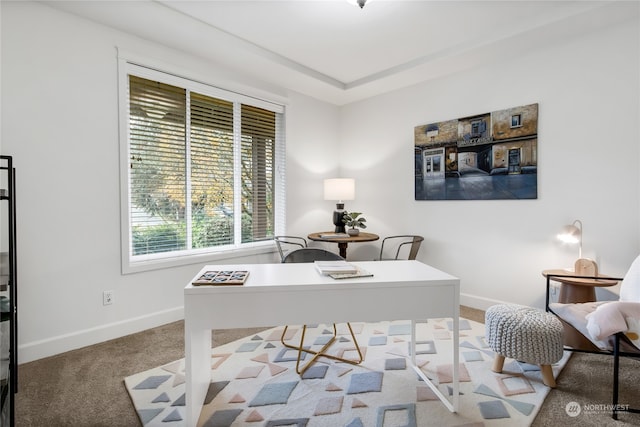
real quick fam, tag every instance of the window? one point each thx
(478, 128)
(516, 120)
(204, 172)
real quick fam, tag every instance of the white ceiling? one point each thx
(339, 53)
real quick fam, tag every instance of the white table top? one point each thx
(289, 276)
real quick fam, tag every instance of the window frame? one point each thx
(139, 263)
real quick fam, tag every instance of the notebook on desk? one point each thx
(359, 273)
(334, 267)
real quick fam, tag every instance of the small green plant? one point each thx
(354, 220)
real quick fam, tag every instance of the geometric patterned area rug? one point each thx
(254, 381)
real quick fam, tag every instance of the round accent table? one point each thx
(343, 242)
(577, 289)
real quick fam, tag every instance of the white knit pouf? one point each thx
(525, 334)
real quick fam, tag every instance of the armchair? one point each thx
(609, 327)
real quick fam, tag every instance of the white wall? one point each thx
(588, 147)
(59, 121)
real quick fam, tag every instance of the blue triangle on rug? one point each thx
(256, 382)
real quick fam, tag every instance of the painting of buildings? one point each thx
(485, 156)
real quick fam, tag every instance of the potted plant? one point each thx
(355, 221)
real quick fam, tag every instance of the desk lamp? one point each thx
(339, 189)
(572, 234)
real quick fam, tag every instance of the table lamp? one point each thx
(339, 189)
(572, 234)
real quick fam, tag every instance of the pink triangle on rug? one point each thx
(333, 387)
(221, 358)
(237, 399)
(254, 417)
(264, 358)
(276, 369)
(357, 403)
(445, 373)
(342, 371)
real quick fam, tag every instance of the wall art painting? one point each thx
(481, 157)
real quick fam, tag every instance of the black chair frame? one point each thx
(289, 240)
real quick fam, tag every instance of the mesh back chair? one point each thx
(392, 246)
(286, 244)
(311, 255)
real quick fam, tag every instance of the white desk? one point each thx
(280, 294)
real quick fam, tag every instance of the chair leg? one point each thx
(321, 352)
(498, 363)
(547, 376)
(616, 368)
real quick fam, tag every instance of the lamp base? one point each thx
(338, 214)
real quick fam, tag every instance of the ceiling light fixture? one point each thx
(359, 3)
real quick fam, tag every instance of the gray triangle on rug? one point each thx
(254, 381)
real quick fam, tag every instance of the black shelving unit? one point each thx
(8, 294)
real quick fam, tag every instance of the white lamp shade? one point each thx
(339, 189)
(570, 234)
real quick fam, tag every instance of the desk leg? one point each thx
(453, 407)
(197, 371)
(456, 362)
(342, 246)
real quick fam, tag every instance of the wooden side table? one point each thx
(343, 242)
(577, 289)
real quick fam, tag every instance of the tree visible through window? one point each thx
(202, 170)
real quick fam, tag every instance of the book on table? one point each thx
(333, 267)
(333, 235)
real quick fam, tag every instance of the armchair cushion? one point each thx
(576, 316)
(598, 321)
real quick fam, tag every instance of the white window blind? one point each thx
(205, 169)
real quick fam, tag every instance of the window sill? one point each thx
(262, 248)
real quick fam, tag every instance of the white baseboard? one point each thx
(480, 303)
(51, 346)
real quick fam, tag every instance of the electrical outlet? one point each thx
(107, 297)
